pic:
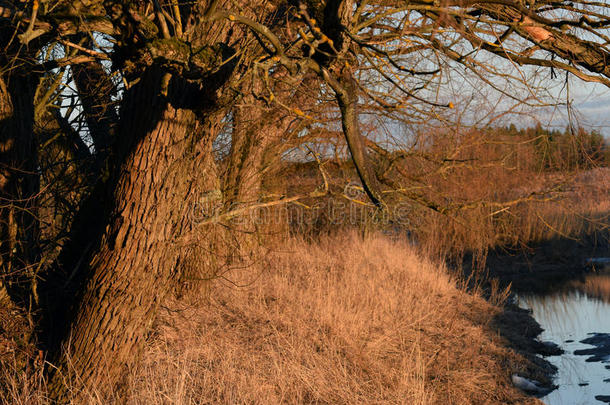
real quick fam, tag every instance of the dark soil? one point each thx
(521, 330)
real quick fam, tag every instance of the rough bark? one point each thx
(133, 266)
(590, 55)
(255, 128)
(205, 247)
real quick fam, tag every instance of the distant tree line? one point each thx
(568, 149)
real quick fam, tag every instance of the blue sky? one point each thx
(592, 104)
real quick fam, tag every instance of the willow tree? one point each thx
(155, 162)
(181, 67)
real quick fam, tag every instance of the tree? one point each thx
(183, 68)
(18, 180)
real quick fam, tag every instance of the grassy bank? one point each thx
(340, 320)
(330, 316)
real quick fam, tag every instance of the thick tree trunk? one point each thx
(257, 131)
(249, 139)
(257, 128)
(206, 247)
(19, 186)
(134, 264)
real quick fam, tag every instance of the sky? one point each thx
(592, 106)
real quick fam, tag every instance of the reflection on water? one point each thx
(579, 311)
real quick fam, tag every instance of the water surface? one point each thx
(578, 311)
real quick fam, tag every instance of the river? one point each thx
(576, 316)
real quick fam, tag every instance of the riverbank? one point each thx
(340, 320)
(564, 281)
(548, 264)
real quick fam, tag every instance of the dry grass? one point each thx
(342, 320)
(597, 286)
(485, 205)
(581, 208)
(345, 320)
(19, 382)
